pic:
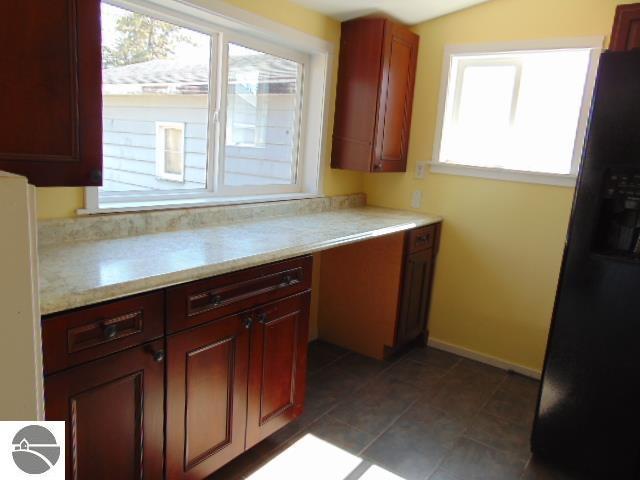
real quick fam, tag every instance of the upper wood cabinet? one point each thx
(626, 28)
(51, 91)
(375, 96)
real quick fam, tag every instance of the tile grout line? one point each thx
(387, 428)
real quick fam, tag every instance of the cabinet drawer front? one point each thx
(205, 300)
(421, 238)
(77, 337)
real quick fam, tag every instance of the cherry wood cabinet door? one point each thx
(626, 28)
(51, 80)
(114, 409)
(278, 366)
(416, 292)
(396, 98)
(206, 397)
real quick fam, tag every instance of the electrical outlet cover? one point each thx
(421, 170)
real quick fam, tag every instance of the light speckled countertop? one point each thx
(75, 274)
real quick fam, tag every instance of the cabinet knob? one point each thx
(95, 176)
(159, 356)
(262, 318)
(248, 321)
(109, 331)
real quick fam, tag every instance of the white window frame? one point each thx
(595, 44)
(160, 151)
(228, 24)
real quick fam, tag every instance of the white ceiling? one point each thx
(409, 12)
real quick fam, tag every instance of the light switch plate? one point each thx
(416, 199)
(421, 170)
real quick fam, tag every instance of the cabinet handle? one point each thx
(216, 300)
(159, 356)
(262, 318)
(289, 280)
(109, 331)
(423, 238)
(248, 321)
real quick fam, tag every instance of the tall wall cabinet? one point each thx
(376, 78)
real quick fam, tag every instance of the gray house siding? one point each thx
(130, 141)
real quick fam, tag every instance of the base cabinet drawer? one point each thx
(114, 409)
(199, 302)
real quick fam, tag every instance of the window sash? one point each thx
(439, 165)
(220, 38)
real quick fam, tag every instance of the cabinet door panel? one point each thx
(206, 397)
(415, 296)
(114, 413)
(401, 48)
(52, 66)
(277, 374)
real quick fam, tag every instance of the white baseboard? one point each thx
(483, 358)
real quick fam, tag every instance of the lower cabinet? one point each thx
(415, 298)
(114, 409)
(232, 383)
(142, 404)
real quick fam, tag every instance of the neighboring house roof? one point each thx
(181, 77)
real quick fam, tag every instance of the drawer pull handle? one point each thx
(216, 300)
(289, 280)
(110, 331)
(159, 356)
(248, 321)
(262, 318)
(423, 238)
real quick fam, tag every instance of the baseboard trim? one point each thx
(483, 358)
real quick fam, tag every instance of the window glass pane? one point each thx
(173, 151)
(153, 71)
(522, 116)
(263, 104)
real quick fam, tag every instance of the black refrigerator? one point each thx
(588, 415)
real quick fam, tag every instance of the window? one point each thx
(197, 112)
(170, 151)
(515, 112)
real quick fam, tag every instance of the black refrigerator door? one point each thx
(588, 413)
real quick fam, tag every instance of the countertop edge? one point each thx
(126, 289)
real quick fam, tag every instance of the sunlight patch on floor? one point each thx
(312, 458)
(377, 473)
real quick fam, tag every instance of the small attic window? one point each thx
(516, 112)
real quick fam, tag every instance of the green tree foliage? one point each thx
(141, 39)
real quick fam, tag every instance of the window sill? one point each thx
(148, 205)
(505, 175)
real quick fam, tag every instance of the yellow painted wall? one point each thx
(63, 202)
(502, 241)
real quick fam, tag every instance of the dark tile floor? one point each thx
(428, 415)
